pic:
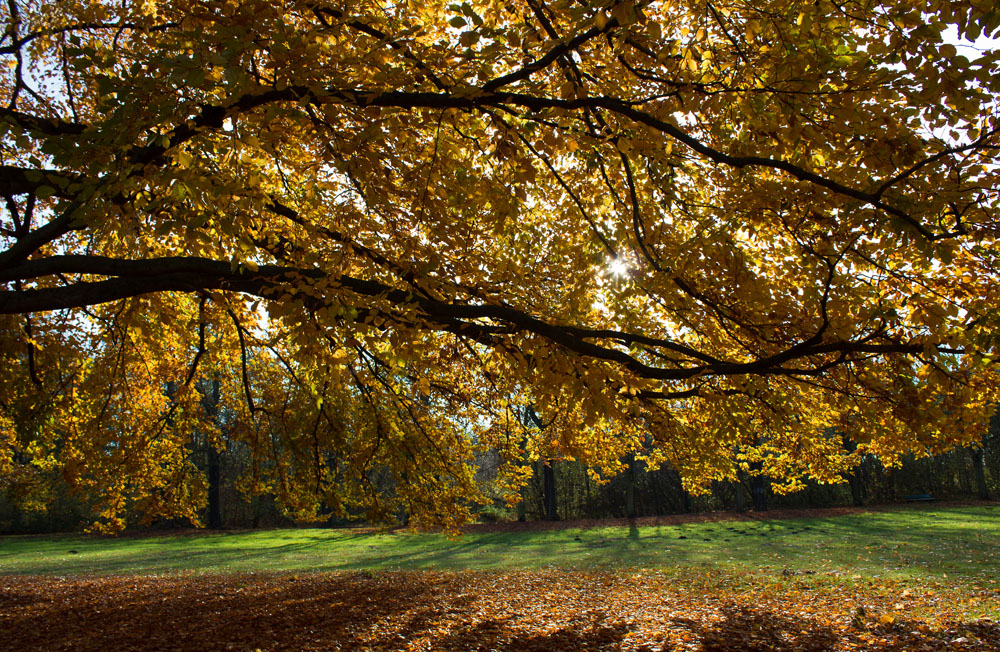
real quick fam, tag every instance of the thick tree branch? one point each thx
(34, 240)
(188, 274)
(24, 181)
(49, 127)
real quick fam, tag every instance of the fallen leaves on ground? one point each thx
(507, 611)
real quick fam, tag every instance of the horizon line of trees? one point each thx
(556, 489)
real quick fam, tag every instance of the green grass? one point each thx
(910, 544)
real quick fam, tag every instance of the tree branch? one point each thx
(188, 274)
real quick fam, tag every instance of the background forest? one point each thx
(557, 489)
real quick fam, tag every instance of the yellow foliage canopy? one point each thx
(718, 235)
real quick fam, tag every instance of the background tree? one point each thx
(733, 228)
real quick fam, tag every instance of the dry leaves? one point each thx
(482, 611)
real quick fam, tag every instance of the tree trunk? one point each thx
(214, 490)
(982, 490)
(758, 488)
(549, 490)
(855, 478)
(590, 496)
(521, 510)
(655, 479)
(548, 473)
(214, 465)
(521, 507)
(630, 509)
(857, 487)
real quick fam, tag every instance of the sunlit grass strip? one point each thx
(910, 545)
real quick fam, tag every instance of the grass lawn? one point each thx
(926, 544)
(908, 578)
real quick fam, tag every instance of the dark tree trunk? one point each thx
(549, 490)
(630, 509)
(521, 506)
(738, 489)
(759, 494)
(982, 490)
(857, 487)
(548, 473)
(214, 463)
(758, 488)
(655, 479)
(214, 487)
(590, 496)
(855, 478)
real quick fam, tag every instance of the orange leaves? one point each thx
(422, 195)
(502, 611)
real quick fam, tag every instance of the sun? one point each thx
(618, 267)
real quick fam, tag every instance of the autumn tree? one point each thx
(703, 233)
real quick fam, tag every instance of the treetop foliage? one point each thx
(724, 235)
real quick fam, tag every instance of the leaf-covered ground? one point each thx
(902, 580)
(502, 611)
